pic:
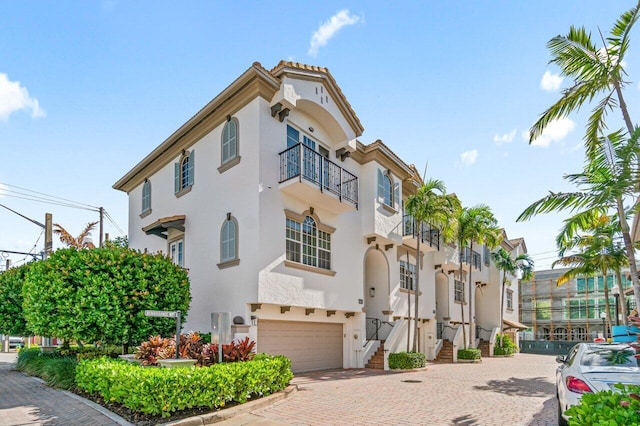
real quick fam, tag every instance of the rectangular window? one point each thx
(407, 275)
(510, 300)
(293, 240)
(543, 309)
(487, 256)
(458, 291)
(176, 252)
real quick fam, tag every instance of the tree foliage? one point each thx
(100, 295)
(12, 320)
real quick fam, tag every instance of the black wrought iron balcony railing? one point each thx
(302, 162)
(429, 234)
(471, 257)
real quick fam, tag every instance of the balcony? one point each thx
(307, 175)
(429, 236)
(472, 258)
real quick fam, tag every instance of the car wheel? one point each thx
(561, 420)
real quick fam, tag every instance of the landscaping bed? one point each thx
(151, 395)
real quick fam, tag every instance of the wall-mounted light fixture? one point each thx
(254, 320)
(372, 292)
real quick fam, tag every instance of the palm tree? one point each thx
(430, 204)
(595, 235)
(607, 178)
(475, 224)
(81, 241)
(594, 72)
(504, 262)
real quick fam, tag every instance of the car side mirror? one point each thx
(561, 359)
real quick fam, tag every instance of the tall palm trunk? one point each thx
(621, 299)
(407, 273)
(607, 306)
(628, 245)
(464, 331)
(417, 289)
(504, 283)
(472, 330)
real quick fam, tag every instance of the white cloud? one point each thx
(327, 30)
(555, 131)
(504, 138)
(469, 157)
(550, 82)
(14, 97)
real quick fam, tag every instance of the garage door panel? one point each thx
(310, 346)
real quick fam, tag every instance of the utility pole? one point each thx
(101, 225)
(48, 234)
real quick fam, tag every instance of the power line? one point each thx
(51, 202)
(113, 222)
(48, 195)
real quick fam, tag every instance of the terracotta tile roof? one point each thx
(283, 65)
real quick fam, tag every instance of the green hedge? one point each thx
(469, 353)
(504, 351)
(152, 390)
(406, 360)
(607, 408)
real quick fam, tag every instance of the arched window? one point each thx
(388, 191)
(184, 172)
(146, 196)
(229, 240)
(308, 242)
(230, 140)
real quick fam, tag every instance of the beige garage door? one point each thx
(309, 345)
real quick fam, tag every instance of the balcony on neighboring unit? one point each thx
(430, 236)
(307, 175)
(472, 258)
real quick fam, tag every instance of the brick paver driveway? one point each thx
(500, 391)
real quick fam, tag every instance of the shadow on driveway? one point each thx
(467, 420)
(533, 387)
(347, 374)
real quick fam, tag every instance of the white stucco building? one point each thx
(283, 218)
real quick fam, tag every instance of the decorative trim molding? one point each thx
(229, 264)
(229, 164)
(145, 214)
(300, 218)
(308, 268)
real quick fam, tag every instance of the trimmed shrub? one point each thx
(162, 391)
(407, 360)
(12, 320)
(469, 353)
(607, 407)
(504, 341)
(497, 350)
(100, 295)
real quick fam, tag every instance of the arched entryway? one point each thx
(376, 293)
(442, 297)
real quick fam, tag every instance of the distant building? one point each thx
(570, 311)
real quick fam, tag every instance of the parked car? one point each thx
(593, 367)
(15, 342)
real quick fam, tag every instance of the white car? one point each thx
(593, 367)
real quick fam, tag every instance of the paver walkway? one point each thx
(26, 401)
(500, 391)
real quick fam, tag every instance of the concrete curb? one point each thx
(226, 414)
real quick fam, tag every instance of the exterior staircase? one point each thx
(484, 348)
(377, 360)
(446, 353)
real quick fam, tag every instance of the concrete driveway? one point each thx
(499, 391)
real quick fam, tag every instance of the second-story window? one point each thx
(307, 244)
(458, 291)
(176, 252)
(407, 275)
(510, 300)
(229, 241)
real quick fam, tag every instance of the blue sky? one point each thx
(87, 89)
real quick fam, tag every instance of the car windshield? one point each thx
(602, 356)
